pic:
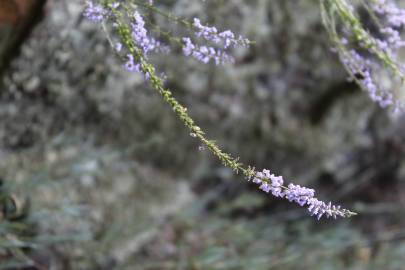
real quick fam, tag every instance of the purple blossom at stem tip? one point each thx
(301, 195)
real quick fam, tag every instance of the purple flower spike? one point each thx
(301, 195)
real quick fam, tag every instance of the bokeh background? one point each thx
(97, 173)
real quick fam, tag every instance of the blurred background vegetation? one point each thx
(97, 173)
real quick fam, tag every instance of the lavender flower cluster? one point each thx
(366, 70)
(225, 39)
(139, 33)
(204, 53)
(141, 38)
(143, 41)
(94, 12)
(395, 20)
(303, 196)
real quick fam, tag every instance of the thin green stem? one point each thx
(181, 111)
(167, 15)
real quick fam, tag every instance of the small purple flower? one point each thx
(130, 64)
(95, 13)
(298, 194)
(188, 46)
(395, 15)
(226, 37)
(141, 38)
(265, 187)
(276, 186)
(393, 19)
(205, 54)
(270, 182)
(118, 47)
